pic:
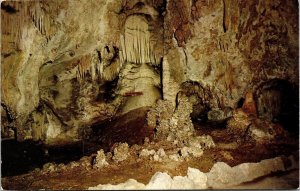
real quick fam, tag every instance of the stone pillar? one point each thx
(170, 87)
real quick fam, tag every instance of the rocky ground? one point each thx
(141, 162)
(206, 150)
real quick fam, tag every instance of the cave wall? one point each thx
(65, 66)
(231, 47)
(47, 50)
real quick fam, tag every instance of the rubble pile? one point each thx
(158, 155)
(100, 160)
(120, 152)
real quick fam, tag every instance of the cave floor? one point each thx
(228, 150)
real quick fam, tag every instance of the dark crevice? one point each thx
(139, 5)
(55, 79)
(177, 41)
(107, 91)
(224, 17)
(240, 102)
(9, 115)
(185, 58)
(7, 55)
(107, 49)
(99, 55)
(116, 55)
(46, 63)
(72, 53)
(9, 9)
(162, 9)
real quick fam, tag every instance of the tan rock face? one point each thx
(65, 66)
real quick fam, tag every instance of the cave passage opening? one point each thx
(278, 101)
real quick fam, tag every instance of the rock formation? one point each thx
(66, 66)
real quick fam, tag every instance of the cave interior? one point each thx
(149, 94)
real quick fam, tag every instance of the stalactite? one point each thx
(26, 12)
(135, 44)
(47, 27)
(42, 25)
(94, 66)
(93, 71)
(84, 67)
(40, 19)
(101, 69)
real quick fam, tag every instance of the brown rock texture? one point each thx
(249, 105)
(65, 66)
